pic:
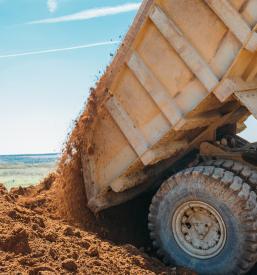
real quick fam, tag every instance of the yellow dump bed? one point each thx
(185, 68)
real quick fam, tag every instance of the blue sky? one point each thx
(41, 94)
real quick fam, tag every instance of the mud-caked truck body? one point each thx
(166, 115)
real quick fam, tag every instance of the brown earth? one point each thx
(34, 239)
(48, 229)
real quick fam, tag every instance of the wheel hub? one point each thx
(199, 229)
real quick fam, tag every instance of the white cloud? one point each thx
(91, 13)
(52, 5)
(93, 45)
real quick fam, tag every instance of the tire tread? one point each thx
(234, 182)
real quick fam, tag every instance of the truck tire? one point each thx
(242, 170)
(203, 219)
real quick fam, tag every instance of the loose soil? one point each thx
(48, 229)
(35, 239)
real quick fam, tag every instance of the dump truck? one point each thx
(166, 117)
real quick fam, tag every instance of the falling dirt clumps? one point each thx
(33, 243)
(48, 228)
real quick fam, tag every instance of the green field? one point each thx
(25, 170)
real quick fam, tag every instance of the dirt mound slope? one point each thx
(32, 242)
(62, 196)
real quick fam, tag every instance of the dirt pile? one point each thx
(62, 196)
(33, 240)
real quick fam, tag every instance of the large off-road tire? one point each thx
(203, 218)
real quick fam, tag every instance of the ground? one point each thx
(35, 239)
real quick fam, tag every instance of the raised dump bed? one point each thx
(170, 87)
(181, 85)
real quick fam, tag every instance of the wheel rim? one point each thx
(199, 229)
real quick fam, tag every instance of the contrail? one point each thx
(93, 45)
(90, 13)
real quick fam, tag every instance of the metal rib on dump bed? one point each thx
(170, 89)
